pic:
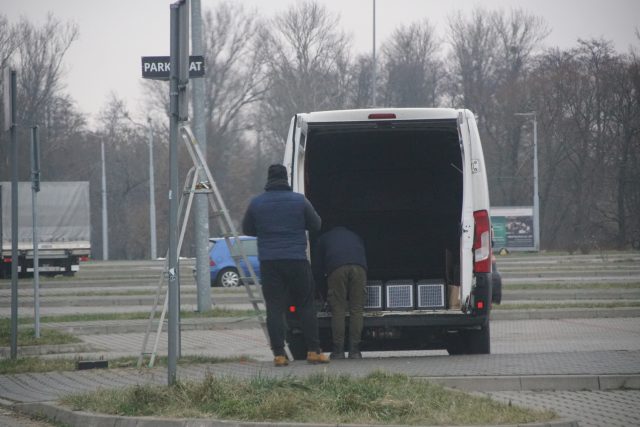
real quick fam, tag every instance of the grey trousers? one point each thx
(347, 292)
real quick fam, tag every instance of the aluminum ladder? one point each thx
(231, 237)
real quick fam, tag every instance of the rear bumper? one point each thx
(415, 318)
(413, 329)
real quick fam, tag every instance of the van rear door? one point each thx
(467, 221)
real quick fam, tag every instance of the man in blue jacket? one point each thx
(279, 218)
(340, 257)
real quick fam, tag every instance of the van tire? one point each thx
(297, 345)
(471, 341)
(456, 344)
(479, 341)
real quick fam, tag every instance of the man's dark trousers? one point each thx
(289, 282)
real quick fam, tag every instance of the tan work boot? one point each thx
(315, 357)
(280, 361)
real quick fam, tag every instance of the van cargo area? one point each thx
(411, 183)
(398, 186)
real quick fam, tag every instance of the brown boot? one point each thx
(280, 361)
(315, 357)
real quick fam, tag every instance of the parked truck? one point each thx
(63, 222)
(412, 183)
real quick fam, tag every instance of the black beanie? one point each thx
(277, 172)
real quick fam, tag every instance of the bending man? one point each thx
(341, 257)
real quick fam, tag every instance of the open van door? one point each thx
(294, 152)
(466, 220)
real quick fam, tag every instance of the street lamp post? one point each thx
(152, 194)
(373, 71)
(536, 197)
(152, 185)
(105, 226)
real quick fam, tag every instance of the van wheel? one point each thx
(479, 341)
(456, 344)
(471, 341)
(297, 346)
(228, 278)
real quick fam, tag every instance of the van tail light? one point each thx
(292, 309)
(378, 116)
(84, 258)
(6, 259)
(482, 242)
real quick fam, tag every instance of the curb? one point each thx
(540, 382)
(87, 419)
(42, 350)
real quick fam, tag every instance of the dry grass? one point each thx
(378, 398)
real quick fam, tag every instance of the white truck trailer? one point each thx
(64, 227)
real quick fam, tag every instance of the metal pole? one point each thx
(105, 225)
(14, 219)
(35, 187)
(177, 78)
(536, 197)
(373, 78)
(152, 195)
(201, 205)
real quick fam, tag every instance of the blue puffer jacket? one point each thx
(279, 219)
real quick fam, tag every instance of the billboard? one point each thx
(513, 228)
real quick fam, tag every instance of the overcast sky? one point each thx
(115, 34)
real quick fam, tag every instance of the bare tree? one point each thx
(472, 63)
(624, 157)
(412, 69)
(492, 53)
(38, 53)
(361, 82)
(308, 65)
(235, 55)
(8, 45)
(41, 55)
(8, 41)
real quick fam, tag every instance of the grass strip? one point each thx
(578, 304)
(87, 317)
(38, 364)
(570, 285)
(378, 398)
(27, 336)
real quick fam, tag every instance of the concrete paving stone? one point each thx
(559, 382)
(565, 335)
(617, 408)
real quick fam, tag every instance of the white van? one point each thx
(412, 183)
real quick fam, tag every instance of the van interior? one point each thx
(398, 185)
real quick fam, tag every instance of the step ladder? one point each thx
(221, 214)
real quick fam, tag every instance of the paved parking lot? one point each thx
(564, 364)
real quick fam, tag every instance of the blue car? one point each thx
(222, 266)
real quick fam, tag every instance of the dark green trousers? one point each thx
(347, 292)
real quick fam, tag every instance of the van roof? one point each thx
(363, 115)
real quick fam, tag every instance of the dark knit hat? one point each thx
(277, 172)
